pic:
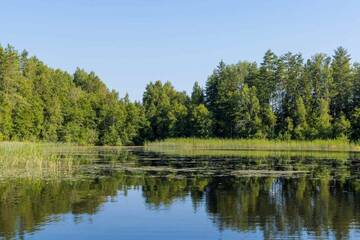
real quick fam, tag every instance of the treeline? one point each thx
(284, 97)
(41, 103)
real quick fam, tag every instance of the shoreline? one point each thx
(214, 144)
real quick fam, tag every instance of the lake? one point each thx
(137, 193)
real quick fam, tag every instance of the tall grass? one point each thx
(254, 144)
(34, 160)
(256, 154)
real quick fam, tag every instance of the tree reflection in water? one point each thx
(321, 202)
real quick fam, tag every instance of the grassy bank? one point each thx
(254, 144)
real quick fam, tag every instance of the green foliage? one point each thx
(253, 144)
(266, 81)
(301, 128)
(268, 121)
(284, 97)
(247, 119)
(166, 111)
(323, 121)
(342, 87)
(222, 96)
(356, 87)
(288, 130)
(355, 125)
(41, 103)
(318, 73)
(200, 121)
(197, 95)
(342, 127)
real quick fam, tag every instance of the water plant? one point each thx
(335, 145)
(33, 160)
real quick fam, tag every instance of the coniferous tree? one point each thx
(342, 77)
(282, 98)
(213, 94)
(319, 73)
(197, 95)
(222, 90)
(266, 83)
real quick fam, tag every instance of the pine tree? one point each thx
(289, 75)
(197, 95)
(342, 76)
(222, 89)
(266, 83)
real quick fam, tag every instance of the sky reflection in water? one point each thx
(137, 194)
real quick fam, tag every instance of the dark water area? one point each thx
(134, 193)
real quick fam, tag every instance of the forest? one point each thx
(284, 97)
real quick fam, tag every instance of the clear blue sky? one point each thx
(131, 42)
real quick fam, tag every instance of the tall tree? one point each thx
(301, 126)
(268, 121)
(355, 123)
(356, 87)
(222, 89)
(9, 77)
(289, 86)
(266, 83)
(323, 120)
(342, 76)
(341, 127)
(197, 95)
(165, 109)
(247, 115)
(200, 121)
(281, 98)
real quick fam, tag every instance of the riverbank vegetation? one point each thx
(282, 98)
(182, 144)
(54, 161)
(35, 160)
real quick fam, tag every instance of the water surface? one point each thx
(132, 193)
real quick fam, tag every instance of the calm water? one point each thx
(137, 194)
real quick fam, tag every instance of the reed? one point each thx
(333, 145)
(33, 160)
(255, 154)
